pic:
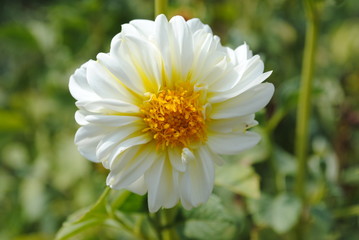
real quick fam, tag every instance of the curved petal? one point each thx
(246, 103)
(80, 117)
(138, 186)
(122, 70)
(87, 138)
(246, 73)
(123, 175)
(104, 83)
(139, 28)
(195, 24)
(108, 106)
(146, 59)
(161, 183)
(174, 155)
(209, 61)
(183, 44)
(123, 146)
(187, 155)
(234, 143)
(112, 120)
(164, 40)
(243, 53)
(196, 183)
(110, 141)
(235, 124)
(79, 87)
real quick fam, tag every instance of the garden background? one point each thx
(43, 178)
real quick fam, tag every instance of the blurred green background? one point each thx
(43, 179)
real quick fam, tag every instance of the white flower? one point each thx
(160, 107)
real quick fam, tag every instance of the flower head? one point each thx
(163, 104)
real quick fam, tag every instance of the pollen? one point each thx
(174, 117)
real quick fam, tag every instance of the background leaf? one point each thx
(209, 221)
(281, 212)
(238, 178)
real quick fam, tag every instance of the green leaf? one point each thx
(85, 218)
(280, 213)
(209, 221)
(134, 226)
(126, 201)
(70, 229)
(239, 178)
(134, 203)
(285, 212)
(261, 209)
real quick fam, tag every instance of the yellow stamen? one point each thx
(174, 117)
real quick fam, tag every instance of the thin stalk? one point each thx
(304, 102)
(164, 222)
(160, 7)
(304, 109)
(168, 219)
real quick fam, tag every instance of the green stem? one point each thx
(168, 220)
(160, 7)
(103, 196)
(304, 105)
(163, 222)
(304, 102)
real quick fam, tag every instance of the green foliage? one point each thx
(239, 178)
(281, 212)
(210, 221)
(84, 219)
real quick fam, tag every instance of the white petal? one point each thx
(215, 157)
(227, 81)
(147, 61)
(80, 117)
(139, 28)
(195, 25)
(110, 141)
(126, 144)
(160, 180)
(216, 73)
(104, 83)
(183, 44)
(79, 87)
(243, 53)
(174, 155)
(124, 175)
(108, 106)
(231, 143)
(249, 74)
(246, 103)
(112, 120)
(164, 40)
(121, 158)
(236, 124)
(196, 183)
(187, 155)
(249, 70)
(207, 56)
(138, 187)
(121, 68)
(87, 138)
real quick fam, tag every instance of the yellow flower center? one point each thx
(174, 117)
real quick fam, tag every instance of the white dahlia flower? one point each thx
(163, 104)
